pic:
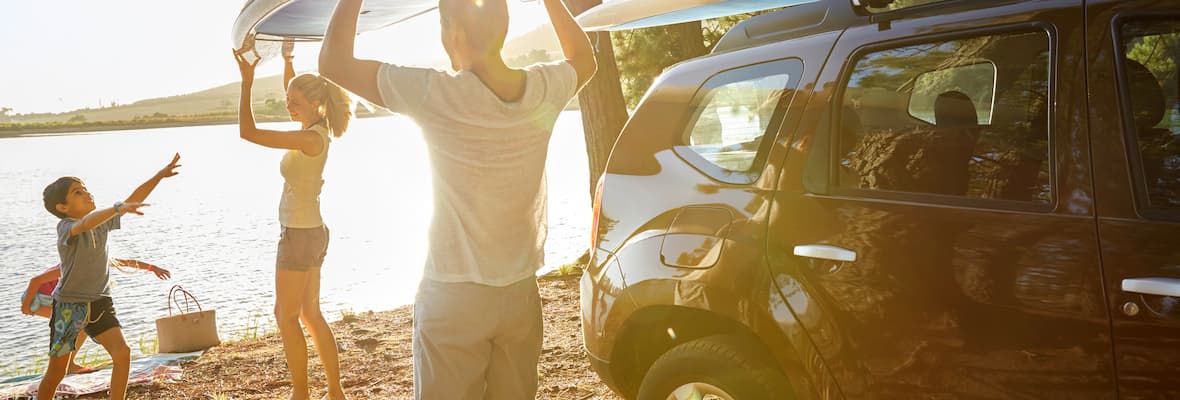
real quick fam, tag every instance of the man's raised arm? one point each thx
(337, 60)
(575, 45)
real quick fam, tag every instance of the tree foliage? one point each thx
(643, 54)
(532, 57)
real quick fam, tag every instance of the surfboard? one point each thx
(614, 15)
(263, 25)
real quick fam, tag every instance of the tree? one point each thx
(645, 53)
(532, 57)
(603, 109)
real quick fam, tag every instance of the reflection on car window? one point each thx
(977, 81)
(900, 4)
(964, 118)
(1152, 49)
(732, 119)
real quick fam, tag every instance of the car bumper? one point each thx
(603, 369)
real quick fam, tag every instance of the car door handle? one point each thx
(826, 252)
(1154, 286)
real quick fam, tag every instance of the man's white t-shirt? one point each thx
(487, 160)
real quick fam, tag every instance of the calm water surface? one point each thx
(215, 226)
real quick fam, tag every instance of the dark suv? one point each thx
(952, 199)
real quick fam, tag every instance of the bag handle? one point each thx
(186, 295)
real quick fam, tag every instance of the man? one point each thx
(477, 316)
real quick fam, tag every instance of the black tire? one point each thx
(726, 363)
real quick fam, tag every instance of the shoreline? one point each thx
(16, 131)
(118, 126)
(376, 358)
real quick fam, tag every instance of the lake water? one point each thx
(215, 226)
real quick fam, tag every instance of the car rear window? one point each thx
(735, 114)
(1151, 49)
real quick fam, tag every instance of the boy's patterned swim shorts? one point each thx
(69, 319)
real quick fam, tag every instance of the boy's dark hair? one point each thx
(56, 194)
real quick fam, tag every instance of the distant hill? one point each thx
(221, 99)
(537, 45)
(542, 38)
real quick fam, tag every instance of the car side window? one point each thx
(736, 113)
(1151, 49)
(965, 118)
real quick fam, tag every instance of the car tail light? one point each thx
(597, 201)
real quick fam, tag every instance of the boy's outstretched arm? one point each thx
(130, 205)
(338, 62)
(97, 217)
(141, 193)
(575, 45)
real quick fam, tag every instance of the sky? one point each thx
(62, 55)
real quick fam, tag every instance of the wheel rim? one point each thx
(699, 391)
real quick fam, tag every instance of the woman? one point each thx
(323, 110)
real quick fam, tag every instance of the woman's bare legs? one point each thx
(321, 334)
(290, 289)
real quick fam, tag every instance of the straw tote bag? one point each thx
(186, 331)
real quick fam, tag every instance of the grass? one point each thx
(253, 330)
(96, 357)
(148, 345)
(33, 368)
(568, 269)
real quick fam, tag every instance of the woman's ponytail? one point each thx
(334, 100)
(337, 108)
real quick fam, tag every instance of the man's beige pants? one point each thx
(474, 341)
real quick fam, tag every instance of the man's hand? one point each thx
(24, 307)
(170, 169)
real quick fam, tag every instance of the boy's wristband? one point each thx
(118, 207)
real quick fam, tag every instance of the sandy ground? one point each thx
(376, 359)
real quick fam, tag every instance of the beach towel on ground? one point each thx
(153, 368)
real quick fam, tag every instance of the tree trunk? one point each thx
(603, 109)
(688, 40)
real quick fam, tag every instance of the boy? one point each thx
(38, 298)
(82, 299)
(477, 316)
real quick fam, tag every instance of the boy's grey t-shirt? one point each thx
(84, 273)
(487, 160)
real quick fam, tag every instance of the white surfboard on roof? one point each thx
(264, 24)
(616, 15)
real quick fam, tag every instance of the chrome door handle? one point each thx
(1154, 286)
(826, 252)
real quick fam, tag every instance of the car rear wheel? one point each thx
(717, 368)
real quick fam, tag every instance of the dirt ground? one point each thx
(376, 359)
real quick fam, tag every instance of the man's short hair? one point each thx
(56, 194)
(484, 22)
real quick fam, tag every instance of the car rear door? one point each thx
(934, 230)
(1135, 127)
